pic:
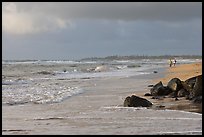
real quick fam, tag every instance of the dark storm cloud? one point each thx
(76, 30)
(35, 17)
(166, 11)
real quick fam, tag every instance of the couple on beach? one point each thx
(172, 62)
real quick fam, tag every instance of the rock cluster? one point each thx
(190, 88)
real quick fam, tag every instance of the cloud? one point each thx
(15, 21)
(118, 10)
(35, 17)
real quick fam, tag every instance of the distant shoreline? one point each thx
(115, 57)
(132, 57)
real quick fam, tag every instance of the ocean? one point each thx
(86, 97)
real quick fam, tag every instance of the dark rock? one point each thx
(155, 71)
(191, 81)
(73, 65)
(175, 84)
(197, 99)
(133, 66)
(172, 95)
(186, 86)
(150, 85)
(159, 90)
(197, 89)
(187, 97)
(127, 102)
(182, 93)
(157, 97)
(135, 101)
(160, 106)
(45, 73)
(147, 94)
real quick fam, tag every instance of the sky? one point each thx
(76, 30)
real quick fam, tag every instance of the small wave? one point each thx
(44, 94)
(45, 72)
(7, 83)
(121, 67)
(101, 69)
(15, 82)
(50, 118)
(14, 130)
(65, 71)
(62, 62)
(133, 66)
(11, 103)
(181, 133)
(13, 62)
(123, 61)
(57, 97)
(120, 108)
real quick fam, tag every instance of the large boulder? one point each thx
(191, 81)
(197, 88)
(175, 84)
(135, 101)
(159, 90)
(182, 93)
(187, 86)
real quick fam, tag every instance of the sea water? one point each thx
(46, 81)
(85, 97)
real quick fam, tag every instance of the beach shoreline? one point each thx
(183, 72)
(99, 110)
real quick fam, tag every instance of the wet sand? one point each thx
(99, 111)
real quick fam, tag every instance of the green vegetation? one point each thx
(132, 57)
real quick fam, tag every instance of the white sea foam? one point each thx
(38, 94)
(193, 132)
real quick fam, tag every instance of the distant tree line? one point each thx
(117, 57)
(133, 57)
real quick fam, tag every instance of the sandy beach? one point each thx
(183, 72)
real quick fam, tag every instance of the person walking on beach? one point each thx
(170, 62)
(175, 62)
